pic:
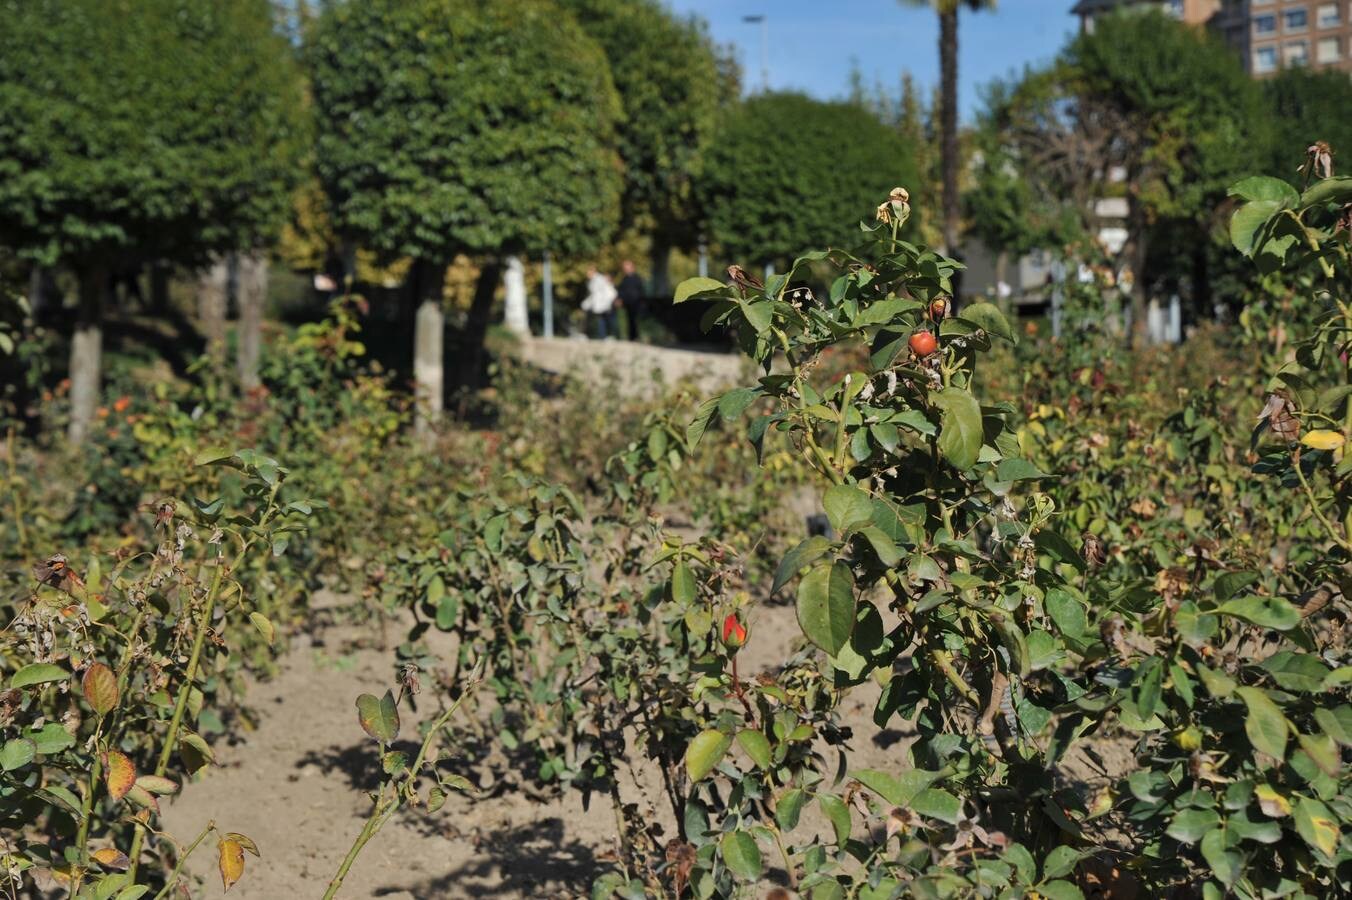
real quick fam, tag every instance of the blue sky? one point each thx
(814, 43)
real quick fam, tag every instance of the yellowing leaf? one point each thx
(1317, 826)
(112, 858)
(157, 784)
(231, 861)
(99, 686)
(1322, 439)
(1272, 803)
(244, 841)
(119, 773)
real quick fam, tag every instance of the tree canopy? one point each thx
(175, 137)
(1187, 119)
(667, 72)
(1309, 106)
(787, 172)
(453, 126)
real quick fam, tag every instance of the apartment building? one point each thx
(1269, 35)
(1278, 35)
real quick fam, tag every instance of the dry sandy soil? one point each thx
(297, 783)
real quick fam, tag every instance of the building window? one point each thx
(1296, 53)
(1327, 50)
(1265, 24)
(1265, 59)
(1296, 19)
(1328, 15)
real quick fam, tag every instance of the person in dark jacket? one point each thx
(632, 297)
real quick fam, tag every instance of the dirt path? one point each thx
(297, 786)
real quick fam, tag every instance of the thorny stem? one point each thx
(182, 859)
(385, 807)
(1318, 513)
(190, 674)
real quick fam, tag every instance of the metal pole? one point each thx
(763, 21)
(547, 278)
(703, 259)
(765, 54)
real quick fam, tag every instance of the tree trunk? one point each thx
(86, 353)
(36, 282)
(159, 288)
(948, 68)
(1137, 248)
(253, 291)
(212, 298)
(660, 259)
(429, 335)
(516, 318)
(471, 351)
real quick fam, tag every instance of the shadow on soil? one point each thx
(531, 860)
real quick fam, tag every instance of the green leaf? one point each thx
(935, 803)
(1060, 890)
(1148, 679)
(1269, 612)
(379, 717)
(1263, 187)
(1018, 470)
(789, 808)
(987, 316)
(1225, 864)
(264, 626)
(808, 551)
(839, 815)
(694, 286)
(756, 746)
(1297, 671)
(847, 507)
(37, 673)
(1317, 825)
(897, 790)
(17, 753)
(683, 588)
(694, 432)
(960, 428)
(741, 855)
(1061, 861)
(735, 402)
(1067, 612)
(1246, 221)
(1329, 190)
(1265, 725)
(705, 752)
(826, 607)
(1189, 825)
(51, 738)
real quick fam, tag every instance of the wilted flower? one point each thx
(897, 207)
(1280, 413)
(1318, 160)
(1092, 550)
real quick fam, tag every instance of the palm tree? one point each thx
(948, 93)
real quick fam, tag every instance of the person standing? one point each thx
(632, 297)
(600, 303)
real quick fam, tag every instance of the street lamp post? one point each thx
(761, 20)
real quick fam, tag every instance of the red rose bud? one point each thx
(734, 632)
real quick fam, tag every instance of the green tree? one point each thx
(459, 127)
(1309, 106)
(787, 172)
(950, 154)
(667, 72)
(1145, 109)
(132, 132)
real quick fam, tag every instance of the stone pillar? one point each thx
(517, 319)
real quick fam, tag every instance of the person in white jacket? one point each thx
(599, 304)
